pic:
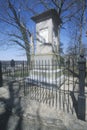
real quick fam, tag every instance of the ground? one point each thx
(19, 112)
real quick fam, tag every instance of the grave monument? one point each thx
(47, 47)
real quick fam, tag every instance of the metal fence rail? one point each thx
(19, 71)
(58, 84)
(54, 84)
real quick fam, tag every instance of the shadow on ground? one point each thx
(11, 106)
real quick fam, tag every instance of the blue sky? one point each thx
(14, 52)
(7, 52)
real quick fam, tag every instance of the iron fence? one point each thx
(19, 71)
(53, 82)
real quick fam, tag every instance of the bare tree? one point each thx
(12, 16)
(16, 13)
(69, 12)
(81, 25)
(77, 35)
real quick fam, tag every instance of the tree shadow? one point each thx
(12, 106)
(39, 119)
(75, 102)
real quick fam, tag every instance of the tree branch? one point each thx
(16, 41)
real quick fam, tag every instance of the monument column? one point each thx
(46, 35)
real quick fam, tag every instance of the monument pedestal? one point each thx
(45, 70)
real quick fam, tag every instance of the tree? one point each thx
(70, 12)
(13, 17)
(17, 13)
(77, 34)
(14, 14)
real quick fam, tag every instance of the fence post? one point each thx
(1, 81)
(81, 96)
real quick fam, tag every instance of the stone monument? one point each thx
(47, 49)
(47, 45)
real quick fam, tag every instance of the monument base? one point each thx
(46, 71)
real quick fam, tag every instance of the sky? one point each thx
(14, 52)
